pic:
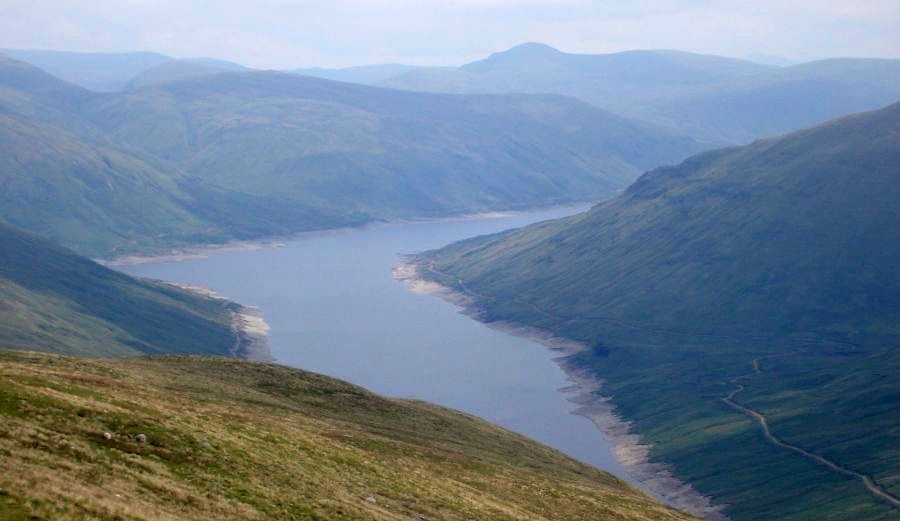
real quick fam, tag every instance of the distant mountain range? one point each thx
(112, 71)
(714, 99)
(363, 74)
(176, 70)
(238, 155)
(770, 59)
(767, 275)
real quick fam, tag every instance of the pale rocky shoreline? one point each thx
(251, 332)
(202, 251)
(629, 451)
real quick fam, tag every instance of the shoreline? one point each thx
(627, 448)
(204, 250)
(251, 332)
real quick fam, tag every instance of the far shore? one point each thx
(202, 251)
(629, 451)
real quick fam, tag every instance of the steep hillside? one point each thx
(62, 178)
(714, 99)
(100, 72)
(53, 300)
(85, 195)
(228, 439)
(385, 153)
(765, 277)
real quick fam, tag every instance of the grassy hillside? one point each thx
(767, 274)
(228, 439)
(53, 300)
(381, 152)
(712, 98)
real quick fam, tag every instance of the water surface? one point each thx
(334, 308)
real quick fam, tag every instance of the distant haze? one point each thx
(302, 33)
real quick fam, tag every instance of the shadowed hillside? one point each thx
(227, 439)
(53, 300)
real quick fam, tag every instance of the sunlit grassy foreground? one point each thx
(229, 439)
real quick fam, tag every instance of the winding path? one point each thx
(869, 483)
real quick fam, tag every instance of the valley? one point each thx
(450, 280)
(391, 340)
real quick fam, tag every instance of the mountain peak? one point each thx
(522, 52)
(530, 49)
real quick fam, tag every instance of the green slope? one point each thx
(385, 153)
(53, 300)
(712, 98)
(784, 252)
(230, 439)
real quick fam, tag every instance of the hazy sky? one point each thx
(298, 33)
